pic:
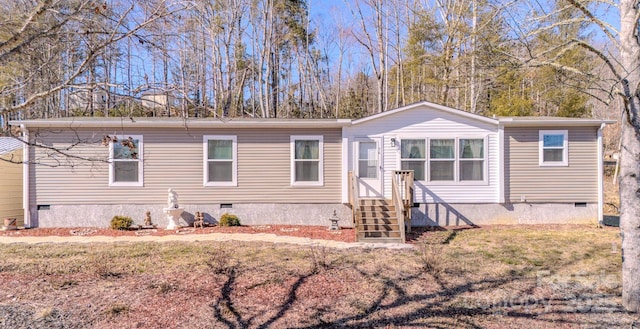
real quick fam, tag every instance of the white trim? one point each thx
(565, 148)
(345, 167)
(442, 108)
(26, 200)
(501, 162)
(139, 160)
(292, 144)
(600, 174)
(456, 181)
(234, 159)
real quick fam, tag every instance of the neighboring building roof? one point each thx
(8, 144)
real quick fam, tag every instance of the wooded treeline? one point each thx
(289, 59)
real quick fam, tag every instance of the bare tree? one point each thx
(88, 29)
(620, 54)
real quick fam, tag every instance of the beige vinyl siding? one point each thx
(173, 158)
(577, 182)
(11, 187)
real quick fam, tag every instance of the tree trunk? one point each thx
(630, 158)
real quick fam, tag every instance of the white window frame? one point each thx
(292, 143)
(140, 161)
(484, 159)
(453, 160)
(206, 160)
(424, 160)
(456, 181)
(565, 148)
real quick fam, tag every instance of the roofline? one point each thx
(432, 105)
(561, 122)
(184, 122)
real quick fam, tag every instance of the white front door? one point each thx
(368, 167)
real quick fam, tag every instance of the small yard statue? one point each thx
(172, 199)
(147, 218)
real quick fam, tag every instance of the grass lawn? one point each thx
(493, 277)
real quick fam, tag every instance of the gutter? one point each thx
(600, 176)
(26, 202)
(183, 123)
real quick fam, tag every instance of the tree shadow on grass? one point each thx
(509, 299)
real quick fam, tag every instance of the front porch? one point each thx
(378, 219)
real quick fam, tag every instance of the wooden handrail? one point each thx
(406, 191)
(396, 198)
(354, 199)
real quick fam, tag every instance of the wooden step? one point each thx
(367, 227)
(378, 234)
(381, 240)
(378, 221)
(375, 202)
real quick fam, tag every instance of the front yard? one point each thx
(494, 277)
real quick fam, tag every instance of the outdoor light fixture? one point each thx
(393, 142)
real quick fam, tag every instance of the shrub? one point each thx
(121, 222)
(229, 220)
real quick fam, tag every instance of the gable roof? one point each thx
(8, 144)
(430, 105)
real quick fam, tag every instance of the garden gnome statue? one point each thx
(172, 199)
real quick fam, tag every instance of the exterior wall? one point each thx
(526, 180)
(493, 214)
(173, 158)
(11, 187)
(423, 122)
(249, 214)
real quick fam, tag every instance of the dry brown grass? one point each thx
(497, 277)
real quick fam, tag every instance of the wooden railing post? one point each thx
(396, 198)
(405, 192)
(354, 199)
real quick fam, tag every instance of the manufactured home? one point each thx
(419, 165)
(11, 179)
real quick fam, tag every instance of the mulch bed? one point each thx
(312, 232)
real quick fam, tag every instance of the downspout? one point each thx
(26, 202)
(600, 176)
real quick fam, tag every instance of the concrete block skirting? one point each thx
(318, 214)
(443, 214)
(249, 214)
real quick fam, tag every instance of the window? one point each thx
(306, 160)
(461, 160)
(553, 148)
(471, 159)
(367, 159)
(413, 157)
(442, 159)
(125, 165)
(220, 164)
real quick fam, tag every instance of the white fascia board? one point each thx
(432, 106)
(142, 123)
(514, 122)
